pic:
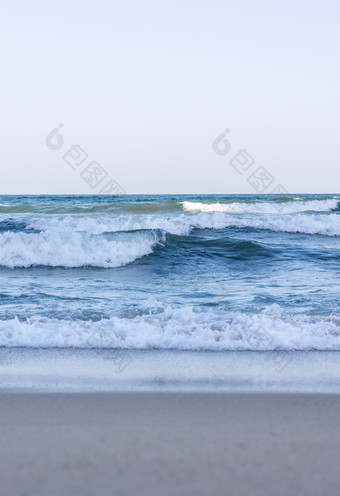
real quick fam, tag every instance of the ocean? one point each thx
(175, 272)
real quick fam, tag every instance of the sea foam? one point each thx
(183, 224)
(182, 328)
(273, 207)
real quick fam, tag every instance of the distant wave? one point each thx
(17, 209)
(88, 209)
(273, 207)
(180, 328)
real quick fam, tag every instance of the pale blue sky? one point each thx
(145, 87)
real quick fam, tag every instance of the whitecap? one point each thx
(184, 328)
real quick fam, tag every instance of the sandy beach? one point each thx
(168, 443)
(164, 422)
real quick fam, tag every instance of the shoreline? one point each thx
(25, 370)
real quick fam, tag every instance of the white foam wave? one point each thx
(174, 224)
(75, 249)
(180, 328)
(263, 207)
(327, 225)
(182, 224)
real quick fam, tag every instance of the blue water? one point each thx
(191, 272)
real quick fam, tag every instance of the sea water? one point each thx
(180, 272)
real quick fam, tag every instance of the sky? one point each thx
(142, 90)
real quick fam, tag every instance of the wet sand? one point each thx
(169, 444)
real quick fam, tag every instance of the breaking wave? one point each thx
(183, 224)
(180, 328)
(273, 207)
(75, 249)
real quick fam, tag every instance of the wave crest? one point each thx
(75, 249)
(183, 224)
(273, 207)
